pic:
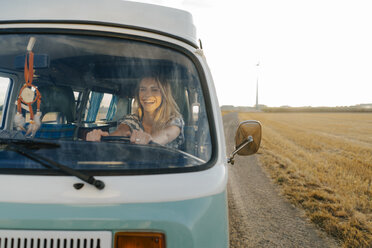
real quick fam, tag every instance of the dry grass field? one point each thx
(323, 162)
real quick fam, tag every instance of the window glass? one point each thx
(103, 111)
(89, 83)
(50, 117)
(4, 85)
(98, 107)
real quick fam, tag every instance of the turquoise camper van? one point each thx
(71, 68)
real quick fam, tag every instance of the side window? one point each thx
(100, 107)
(104, 108)
(4, 86)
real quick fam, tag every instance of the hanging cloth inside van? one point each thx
(28, 94)
(28, 90)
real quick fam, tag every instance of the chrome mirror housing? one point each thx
(247, 139)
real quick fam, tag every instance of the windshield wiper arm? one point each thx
(48, 162)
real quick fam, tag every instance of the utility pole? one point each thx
(257, 66)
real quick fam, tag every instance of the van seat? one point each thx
(55, 131)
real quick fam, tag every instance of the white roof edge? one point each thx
(175, 22)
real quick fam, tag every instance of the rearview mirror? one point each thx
(41, 61)
(247, 139)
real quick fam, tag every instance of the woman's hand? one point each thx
(96, 135)
(140, 137)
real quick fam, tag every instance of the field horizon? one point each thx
(363, 108)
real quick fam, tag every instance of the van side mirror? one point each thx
(247, 139)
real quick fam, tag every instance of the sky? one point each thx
(302, 53)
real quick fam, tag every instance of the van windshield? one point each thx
(69, 90)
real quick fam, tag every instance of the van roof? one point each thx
(173, 22)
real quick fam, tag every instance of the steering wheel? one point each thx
(122, 139)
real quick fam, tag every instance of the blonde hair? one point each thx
(168, 108)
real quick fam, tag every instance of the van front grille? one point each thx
(54, 239)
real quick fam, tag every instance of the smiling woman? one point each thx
(149, 95)
(156, 116)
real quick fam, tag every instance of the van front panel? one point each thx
(191, 223)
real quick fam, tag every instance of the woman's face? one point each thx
(149, 95)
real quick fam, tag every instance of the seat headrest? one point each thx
(58, 99)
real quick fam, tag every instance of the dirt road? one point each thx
(259, 216)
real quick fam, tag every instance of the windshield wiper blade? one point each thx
(30, 143)
(50, 163)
